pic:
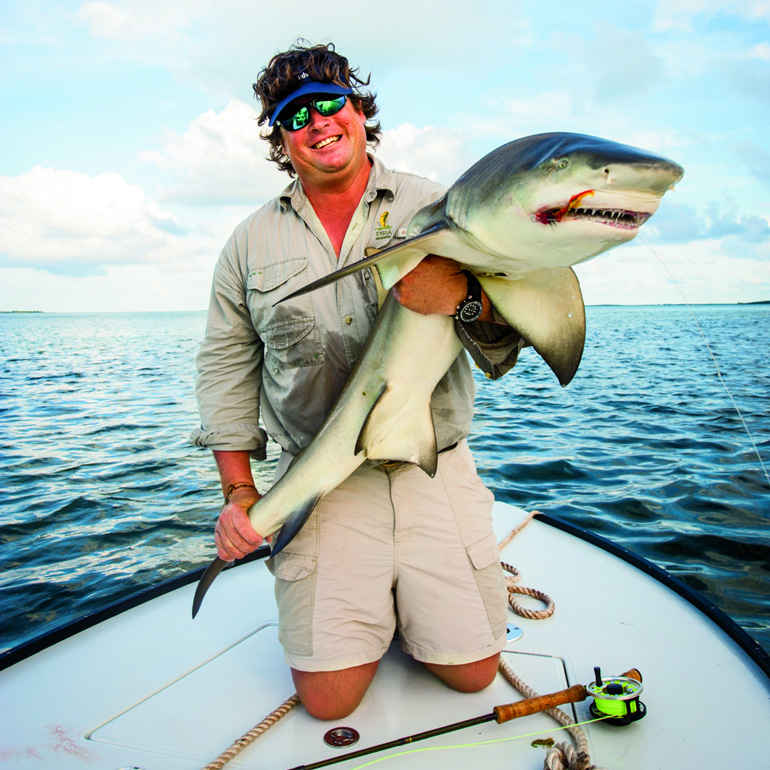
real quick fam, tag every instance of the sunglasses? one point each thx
(301, 117)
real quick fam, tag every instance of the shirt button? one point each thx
(348, 320)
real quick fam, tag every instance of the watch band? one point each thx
(471, 308)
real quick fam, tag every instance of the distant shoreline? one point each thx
(600, 304)
(684, 304)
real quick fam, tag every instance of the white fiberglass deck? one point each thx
(155, 690)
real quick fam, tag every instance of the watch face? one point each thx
(470, 311)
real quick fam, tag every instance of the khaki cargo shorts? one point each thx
(394, 549)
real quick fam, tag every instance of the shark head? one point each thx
(541, 202)
(551, 200)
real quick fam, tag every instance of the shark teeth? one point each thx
(622, 218)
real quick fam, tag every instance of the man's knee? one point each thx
(467, 677)
(333, 694)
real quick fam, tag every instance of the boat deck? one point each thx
(152, 689)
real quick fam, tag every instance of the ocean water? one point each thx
(100, 494)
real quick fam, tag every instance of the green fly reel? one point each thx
(616, 698)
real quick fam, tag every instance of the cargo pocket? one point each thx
(484, 556)
(292, 566)
(295, 587)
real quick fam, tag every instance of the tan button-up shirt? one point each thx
(288, 363)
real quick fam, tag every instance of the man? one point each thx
(390, 547)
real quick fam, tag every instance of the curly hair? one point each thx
(322, 63)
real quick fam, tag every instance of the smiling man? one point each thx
(390, 548)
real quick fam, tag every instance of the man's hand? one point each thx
(437, 285)
(234, 535)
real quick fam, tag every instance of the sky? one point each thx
(130, 148)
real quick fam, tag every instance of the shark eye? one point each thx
(561, 162)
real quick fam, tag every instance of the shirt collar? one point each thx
(381, 179)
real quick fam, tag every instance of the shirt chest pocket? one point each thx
(289, 330)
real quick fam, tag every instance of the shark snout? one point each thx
(656, 177)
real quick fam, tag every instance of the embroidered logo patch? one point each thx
(384, 231)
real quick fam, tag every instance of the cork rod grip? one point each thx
(633, 673)
(542, 702)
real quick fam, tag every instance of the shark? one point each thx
(519, 219)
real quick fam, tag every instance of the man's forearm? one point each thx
(234, 468)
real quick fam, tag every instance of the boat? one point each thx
(141, 685)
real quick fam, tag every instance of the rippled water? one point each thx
(101, 494)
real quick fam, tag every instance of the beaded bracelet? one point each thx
(235, 486)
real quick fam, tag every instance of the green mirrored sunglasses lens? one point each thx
(328, 107)
(298, 120)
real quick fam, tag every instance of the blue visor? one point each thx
(308, 87)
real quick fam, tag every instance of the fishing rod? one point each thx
(615, 699)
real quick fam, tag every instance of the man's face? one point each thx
(328, 150)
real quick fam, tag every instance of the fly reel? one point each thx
(616, 698)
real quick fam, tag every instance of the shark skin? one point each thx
(518, 219)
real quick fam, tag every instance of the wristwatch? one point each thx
(471, 308)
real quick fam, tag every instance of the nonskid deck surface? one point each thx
(152, 689)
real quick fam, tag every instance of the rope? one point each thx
(511, 583)
(253, 734)
(562, 756)
(514, 576)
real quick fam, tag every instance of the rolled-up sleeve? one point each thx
(494, 349)
(229, 367)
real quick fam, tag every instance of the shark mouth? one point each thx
(575, 209)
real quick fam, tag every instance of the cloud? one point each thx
(616, 64)
(219, 159)
(105, 19)
(441, 154)
(682, 223)
(760, 51)
(755, 158)
(72, 223)
(699, 272)
(118, 288)
(684, 14)
(137, 19)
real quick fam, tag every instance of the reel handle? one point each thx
(524, 708)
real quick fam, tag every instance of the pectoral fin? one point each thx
(391, 433)
(546, 308)
(392, 263)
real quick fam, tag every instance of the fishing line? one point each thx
(479, 743)
(713, 357)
